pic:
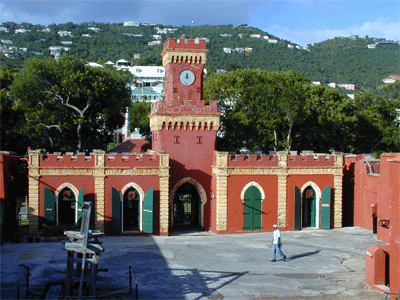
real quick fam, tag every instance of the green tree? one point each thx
(378, 125)
(148, 61)
(259, 108)
(393, 90)
(75, 106)
(138, 119)
(328, 123)
(265, 110)
(11, 138)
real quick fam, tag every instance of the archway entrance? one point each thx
(66, 207)
(186, 208)
(309, 207)
(130, 208)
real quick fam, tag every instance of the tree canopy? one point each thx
(265, 110)
(11, 138)
(338, 60)
(69, 106)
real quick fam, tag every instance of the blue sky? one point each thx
(299, 21)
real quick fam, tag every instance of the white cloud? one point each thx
(380, 28)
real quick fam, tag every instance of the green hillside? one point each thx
(340, 60)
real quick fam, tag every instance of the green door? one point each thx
(252, 209)
(148, 211)
(116, 212)
(297, 208)
(49, 207)
(309, 207)
(326, 208)
(80, 205)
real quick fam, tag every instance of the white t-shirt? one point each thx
(277, 235)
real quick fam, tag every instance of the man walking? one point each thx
(277, 244)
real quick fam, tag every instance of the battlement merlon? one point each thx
(187, 106)
(185, 43)
(184, 51)
(185, 115)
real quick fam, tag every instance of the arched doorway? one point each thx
(186, 208)
(66, 207)
(309, 208)
(130, 210)
(252, 209)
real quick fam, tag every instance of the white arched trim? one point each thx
(318, 196)
(200, 190)
(141, 199)
(255, 184)
(76, 193)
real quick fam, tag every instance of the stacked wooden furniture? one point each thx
(83, 256)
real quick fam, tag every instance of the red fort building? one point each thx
(184, 183)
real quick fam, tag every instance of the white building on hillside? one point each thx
(131, 23)
(148, 75)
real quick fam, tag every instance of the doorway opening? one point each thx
(130, 210)
(309, 208)
(66, 207)
(186, 209)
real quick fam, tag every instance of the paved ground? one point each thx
(322, 264)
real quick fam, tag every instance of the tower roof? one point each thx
(185, 43)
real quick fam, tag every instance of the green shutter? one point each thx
(326, 208)
(49, 207)
(116, 212)
(148, 211)
(257, 213)
(297, 208)
(80, 204)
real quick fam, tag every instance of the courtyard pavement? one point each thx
(325, 264)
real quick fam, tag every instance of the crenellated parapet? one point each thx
(185, 117)
(184, 50)
(97, 163)
(201, 107)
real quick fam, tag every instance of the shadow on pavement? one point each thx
(155, 274)
(303, 255)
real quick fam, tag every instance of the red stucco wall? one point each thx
(321, 181)
(372, 193)
(118, 182)
(383, 191)
(269, 184)
(394, 179)
(87, 182)
(54, 182)
(191, 153)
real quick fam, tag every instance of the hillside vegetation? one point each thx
(340, 60)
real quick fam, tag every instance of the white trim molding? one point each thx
(318, 196)
(141, 199)
(255, 184)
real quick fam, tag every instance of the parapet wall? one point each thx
(183, 43)
(263, 160)
(87, 161)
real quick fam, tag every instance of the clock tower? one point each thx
(186, 127)
(184, 61)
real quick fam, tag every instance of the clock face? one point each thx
(186, 77)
